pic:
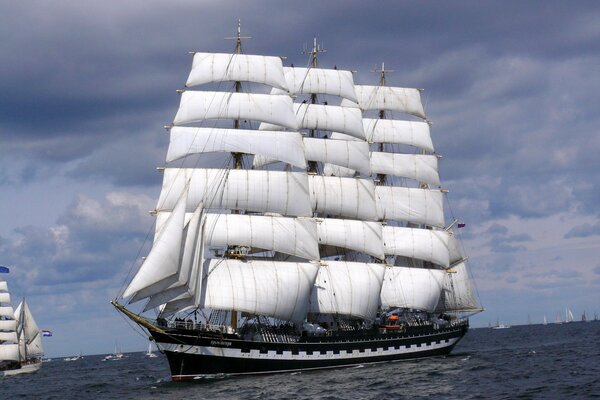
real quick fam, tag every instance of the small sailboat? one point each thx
(545, 320)
(500, 326)
(149, 353)
(20, 338)
(74, 358)
(569, 316)
(117, 355)
(558, 319)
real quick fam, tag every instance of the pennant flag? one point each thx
(46, 333)
(4, 269)
(460, 225)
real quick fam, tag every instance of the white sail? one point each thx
(34, 347)
(332, 82)
(193, 254)
(8, 325)
(163, 260)
(455, 253)
(343, 197)
(414, 288)
(9, 352)
(330, 118)
(419, 206)
(347, 288)
(458, 293)
(364, 237)
(219, 67)
(8, 336)
(411, 133)
(294, 236)
(345, 153)
(200, 106)
(405, 100)
(281, 146)
(7, 312)
(276, 289)
(420, 167)
(182, 276)
(5, 297)
(279, 192)
(325, 117)
(30, 335)
(422, 244)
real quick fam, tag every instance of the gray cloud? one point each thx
(584, 230)
(510, 88)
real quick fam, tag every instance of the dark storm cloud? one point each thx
(506, 83)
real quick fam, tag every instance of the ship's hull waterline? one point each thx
(25, 369)
(195, 355)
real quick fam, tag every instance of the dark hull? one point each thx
(193, 354)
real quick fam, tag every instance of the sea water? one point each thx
(523, 362)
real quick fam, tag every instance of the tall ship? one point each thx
(20, 338)
(312, 236)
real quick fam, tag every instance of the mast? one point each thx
(380, 180)
(313, 63)
(22, 330)
(237, 156)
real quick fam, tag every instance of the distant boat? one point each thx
(149, 353)
(500, 326)
(583, 317)
(74, 358)
(558, 319)
(569, 316)
(117, 355)
(545, 320)
(20, 338)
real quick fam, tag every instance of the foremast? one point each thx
(206, 216)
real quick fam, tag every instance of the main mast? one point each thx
(234, 251)
(380, 180)
(313, 63)
(237, 157)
